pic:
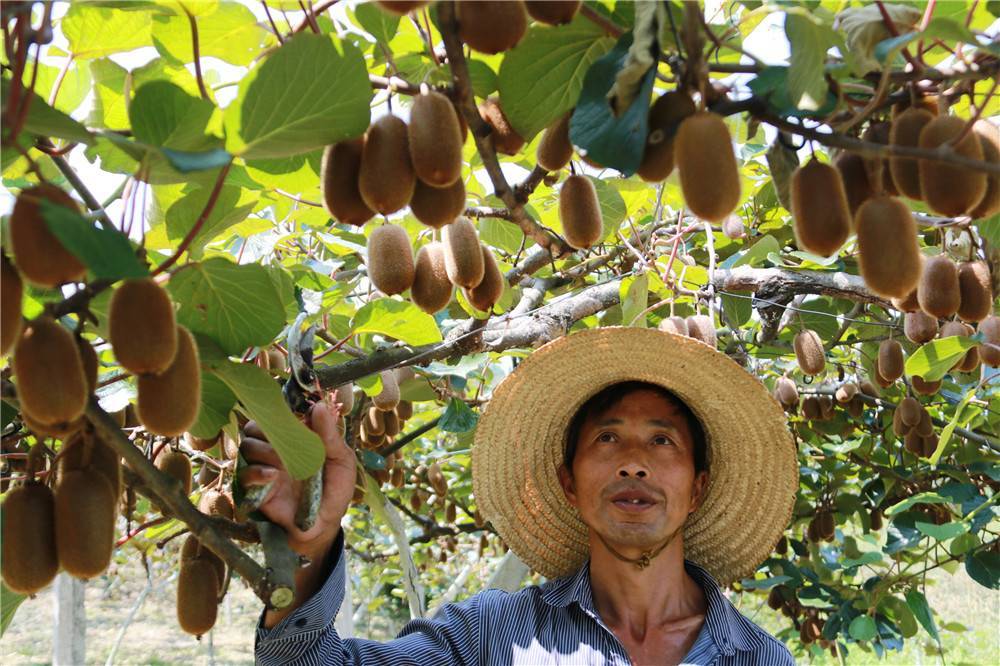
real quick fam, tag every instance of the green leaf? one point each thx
(919, 498)
(9, 603)
(311, 92)
(483, 79)
(963, 543)
(755, 254)
(397, 319)
(235, 305)
(107, 253)
(934, 359)
(809, 41)
(634, 294)
(949, 429)
(765, 583)
(737, 309)
(230, 32)
(942, 532)
(613, 209)
(378, 23)
(918, 604)
(216, 403)
(232, 207)
(109, 109)
(45, 121)
(164, 115)
(500, 234)
(458, 417)
(771, 85)
(984, 568)
(862, 628)
(94, 32)
(541, 78)
(903, 616)
(989, 229)
(300, 449)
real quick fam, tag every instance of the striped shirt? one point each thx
(554, 624)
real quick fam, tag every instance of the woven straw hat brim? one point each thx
(753, 469)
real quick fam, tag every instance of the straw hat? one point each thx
(753, 470)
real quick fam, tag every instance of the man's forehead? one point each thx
(665, 406)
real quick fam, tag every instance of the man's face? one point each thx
(633, 477)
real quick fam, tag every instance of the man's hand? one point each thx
(280, 505)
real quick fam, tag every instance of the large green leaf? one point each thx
(613, 210)
(934, 359)
(401, 320)
(235, 305)
(107, 253)
(230, 32)
(311, 92)
(376, 22)
(109, 109)
(9, 603)
(634, 294)
(217, 400)
(942, 532)
(862, 628)
(45, 121)
(94, 32)
(300, 449)
(984, 568)
(918, 604)
(458, 417)
(809, 40)
(73, 88)
(164, 115)
(232, 207)
(541, 78)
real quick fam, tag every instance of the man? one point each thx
(634, 468)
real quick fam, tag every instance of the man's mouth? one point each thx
(633, 501)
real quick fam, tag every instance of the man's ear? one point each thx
(698, 489)
(566, 481)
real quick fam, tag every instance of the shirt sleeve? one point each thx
(307, 635)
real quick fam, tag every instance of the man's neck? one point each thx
(636, 600)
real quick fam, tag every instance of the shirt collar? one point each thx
(729, 629)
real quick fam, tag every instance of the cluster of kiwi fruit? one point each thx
(822, 407)
(698, 326)
(201, 583)
(912, 425)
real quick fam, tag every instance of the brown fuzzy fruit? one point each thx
(957, 328)
(374, 422)
(491, 26)
(907, 304)
(28, 560)
(909, 411)
(888, 252)
(390, 259)
(506, 140)
(990, 349)
(876, 520)
(84, 451)
(853, 175)
(927, 102)
(786, 392)
(436, 206)
(143, 329)
(676, 325)
(819, 207)
(890, 360)
(925, 427)
(193, 549)
(177, 466)
(51, 383)
(85, 509)
(88, 357)
(404, 410)
(913, 443)
(701, 327)
(947, 189)
(846, 392)
(989, 139)
(344, 394)
(386, 178)
(391, 423)
(938, 291)
(11, 293)
(62, 430)
(489, 290)
(339, 171)
(435, 140)
(437, 480)
(463, 258)
(710, 177)
(899, 427)
(555, 149)
(401, 7)
(919, 327)
(388, 398)
(431, 290)
(580, 212)
(40, 256)
(879, 174)
(665, 117)
(921, 387)
(809, 352)
(197, 596)
(906, 131)
(214, 503)
(168, 403)
(976, 299)
(553, 12)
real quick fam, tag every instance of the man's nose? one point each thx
(632, 468)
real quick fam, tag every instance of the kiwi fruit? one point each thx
(906, 131)
(701, 327)
(970, 361)
(909, 411)
(919, 327)
(553, 12)
(391, 423)
(665, 116)
(489, 290)
(51, 382)
(809, 352)
(40, 256)
(214, 503)
(193, 549)
(854, 177)
(710, 177)
(948, 189)
(774, 599)
(909, 303)
(819, 208)
(506, 140)
(927, 102)
(976, 294)
(386, 178)
(175, 465)
(856, 407)
(88, 357)
(85, 508)
(84, 451)
(435, 140)
(404, 374)
(990, 349)
(880, 380)
(404, 410)
(401, 7)
(431, 290)
(168, 403)
(925, 427)
(913, 442)
(786, 392)
(374, 422)
(491, 26)
(436, 478)
(390, 259)
(938, 290)
(580, 212)
(197, 596)
(921, 387)
(438, 206)
(876, 520)
(899, 426)
(62, 430)
(142, 326)
(846, 392)
(888, 253)
(810, 631)
(989, 139)
(463, 258)
(28, 559)
(388, 398)
(201, 444)
(867, 387)
(345, 396)
(339, 171)
(827, 525)
(11, 293)
(555, 149)
(675, 325)
(890, 360)
(879, 173)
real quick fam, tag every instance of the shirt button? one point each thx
(301, 622)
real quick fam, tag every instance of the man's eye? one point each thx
(606, 437)
(661, 439)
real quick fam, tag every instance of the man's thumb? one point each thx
(323, 419)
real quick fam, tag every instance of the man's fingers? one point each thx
(323, 420)
(257, 475)
(258, 451)
(253, 430)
